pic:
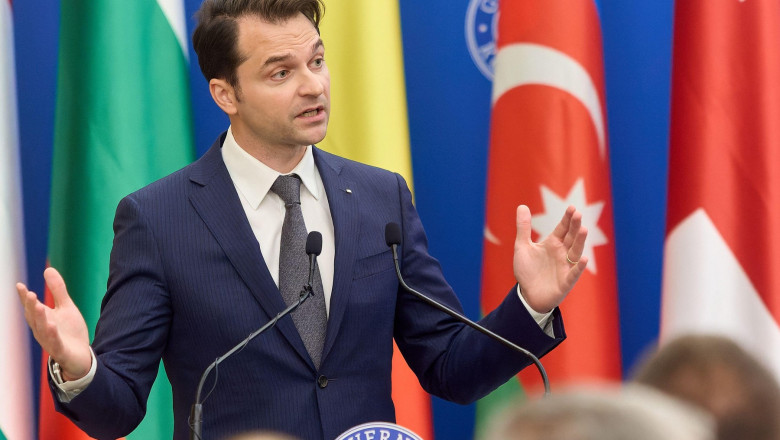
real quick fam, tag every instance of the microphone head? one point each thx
(392, 234)
(314, 243)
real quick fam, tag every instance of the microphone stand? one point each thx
(196, 414)
(458, 316)
(313, 248)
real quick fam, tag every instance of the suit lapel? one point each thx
(215, 200)
(346, 225)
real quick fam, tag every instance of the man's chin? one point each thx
(316, 138)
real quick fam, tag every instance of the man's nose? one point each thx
(312, 83)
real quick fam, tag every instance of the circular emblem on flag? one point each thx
(378, 431)
(481, 31)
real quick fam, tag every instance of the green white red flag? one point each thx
(123, 120)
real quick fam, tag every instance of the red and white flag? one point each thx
(548, 150)
(722, 252)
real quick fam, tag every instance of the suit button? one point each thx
(322, 381)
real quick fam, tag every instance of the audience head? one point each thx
(716, 374)
(261, 435)
(634, 412)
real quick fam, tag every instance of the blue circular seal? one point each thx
(378, 431)
(481, 31)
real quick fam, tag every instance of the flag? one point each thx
(123, 119)
(16, 420)
(548, 150)
(369, 124)
(721, 252)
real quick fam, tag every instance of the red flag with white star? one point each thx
(548, 150)
(722, 247)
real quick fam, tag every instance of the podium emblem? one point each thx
(378, 431)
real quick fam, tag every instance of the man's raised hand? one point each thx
(61, 331)
(547, 271)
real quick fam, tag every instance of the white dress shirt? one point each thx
(265, 210)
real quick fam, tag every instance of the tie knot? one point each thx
(288, 188)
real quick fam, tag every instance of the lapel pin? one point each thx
(348, 191)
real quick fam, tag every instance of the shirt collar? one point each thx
(253, 179)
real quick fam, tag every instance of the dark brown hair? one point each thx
(216, 36)
(721, 377)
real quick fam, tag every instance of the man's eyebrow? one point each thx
(317, 45)
(280, 58)
(277, 59)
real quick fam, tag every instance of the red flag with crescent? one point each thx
(548, 150)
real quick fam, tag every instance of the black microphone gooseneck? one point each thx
(313, 249)
(393, 239)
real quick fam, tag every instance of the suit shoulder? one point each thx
(357, 170)
(173, 184)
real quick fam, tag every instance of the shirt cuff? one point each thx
(543, 319)
(68, 390)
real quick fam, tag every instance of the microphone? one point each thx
(313, 249)
(393, 239)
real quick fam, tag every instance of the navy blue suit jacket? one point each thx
(188, 281)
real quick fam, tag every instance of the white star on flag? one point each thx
(544, 224)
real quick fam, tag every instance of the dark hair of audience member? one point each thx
(719, 376)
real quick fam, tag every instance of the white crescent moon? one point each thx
(491, 237)
(522, 64)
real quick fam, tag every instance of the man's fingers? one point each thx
(564, 226)
(523, 223)
(28, 300)
(39, 320)
(576, 271)
(44, 321)
(575, 226)
(56, 286)
(577, 244)
(23, 293)
(21, 290)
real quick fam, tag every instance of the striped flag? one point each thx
(548, 150)
(16, 421)
(369, 124)
(722, 246)
(123, 119)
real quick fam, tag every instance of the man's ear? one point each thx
(224, 95)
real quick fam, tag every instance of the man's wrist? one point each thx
(68, 378)
(59, 375)
(68, 390)
(541, 318)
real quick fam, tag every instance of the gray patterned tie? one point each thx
(310, 318)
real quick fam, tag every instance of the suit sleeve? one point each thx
(454, 361)
(130, 335)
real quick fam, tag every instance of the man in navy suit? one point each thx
(195, 267)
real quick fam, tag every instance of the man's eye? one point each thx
(282, 74)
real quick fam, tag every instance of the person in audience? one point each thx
(716, 374)
(634, 412)
(261, 435)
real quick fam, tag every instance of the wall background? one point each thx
(449, 160)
